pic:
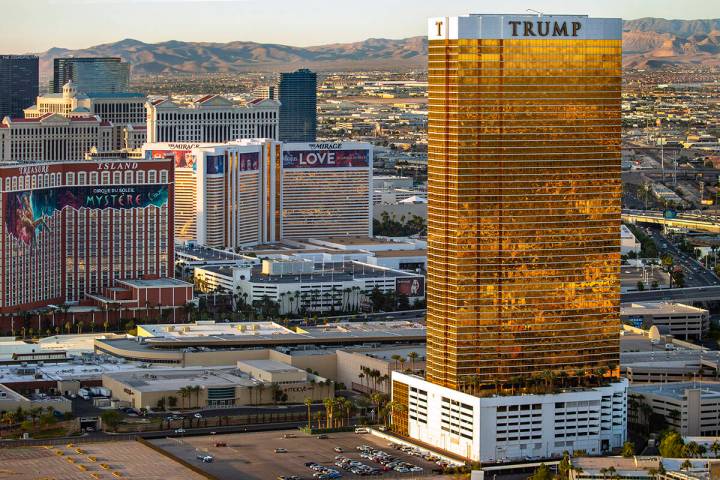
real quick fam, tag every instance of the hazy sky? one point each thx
(36, 25)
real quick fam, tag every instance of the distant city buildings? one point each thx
(18, 83)
(91, 75)
(269, 92)
(297, 92)
(211, 118)
(125, 110)
(256, 191)
(523, 247)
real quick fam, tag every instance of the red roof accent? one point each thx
(29, 120)
(158, 102)
(205, 98)
(256, 101)
(105, 123)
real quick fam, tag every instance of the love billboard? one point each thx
(326, 158)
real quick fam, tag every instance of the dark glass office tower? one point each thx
(91, 74)
(18, 84)
(298, 110)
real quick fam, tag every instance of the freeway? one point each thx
(698, 294)
(690, 221)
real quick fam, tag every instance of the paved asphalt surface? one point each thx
(696, 275)
(698, 294)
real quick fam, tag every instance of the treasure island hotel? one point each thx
(523, 248)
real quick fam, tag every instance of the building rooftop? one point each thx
(156, 282)
(653, 308)
(676, 390)
(177, 378)
(270, 366)
(268, 333)
(420, 252)
(92, 369)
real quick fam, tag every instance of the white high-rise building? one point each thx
(253, 191)
(211, 118)
(125, 110)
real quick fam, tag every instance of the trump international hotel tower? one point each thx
(524, 203)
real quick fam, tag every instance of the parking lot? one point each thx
(88, 461)
(251, 456)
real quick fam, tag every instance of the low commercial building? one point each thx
(353, 366)
(680, 321)
(10, 401)
(497, 428)
(298, 285)
(218, 344)
(217, 387)
(628, 242)
(691, 408)
(642, 467)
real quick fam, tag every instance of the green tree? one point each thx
(671, 445)
(542, 473)
(111, 419)
(628, 449)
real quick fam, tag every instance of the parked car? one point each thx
(205, 458)
(338, 450)
(322, 436)
(280, 450)
(180, 430)
(220, 444)
(362, 430)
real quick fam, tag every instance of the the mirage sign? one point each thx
(325, 155)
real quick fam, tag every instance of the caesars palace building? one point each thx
(254, 191)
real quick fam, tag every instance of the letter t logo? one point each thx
(439, 25)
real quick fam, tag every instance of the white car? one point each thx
(180, 430)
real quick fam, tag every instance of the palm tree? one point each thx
(686, 465)
(329, 404)
(361, 376)
(184, 392)
(715, 448)
(412, 356)
(347, 406)
(308, 404)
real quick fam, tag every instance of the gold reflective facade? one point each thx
(524, 208)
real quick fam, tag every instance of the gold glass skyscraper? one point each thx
(524, 195)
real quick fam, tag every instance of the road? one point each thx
(696, 275)
(698, 294)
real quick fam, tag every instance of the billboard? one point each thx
(669, 214)
(410, 286)
(326, 158)
(182, 158)
(248, 161)
(635, 321)
(26, 212)
(214, 164)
